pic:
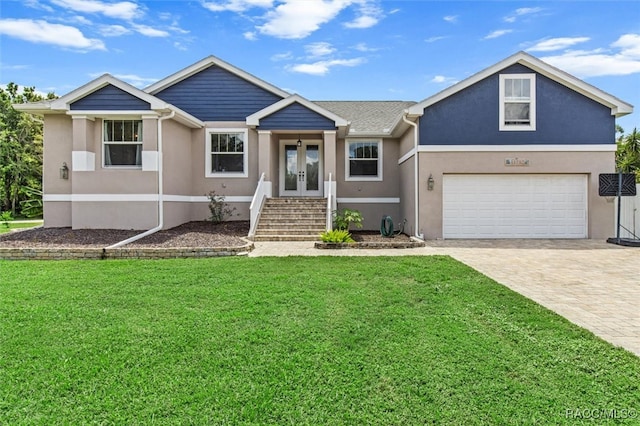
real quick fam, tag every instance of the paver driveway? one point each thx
(591, 283)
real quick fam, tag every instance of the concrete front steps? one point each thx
(292, 219)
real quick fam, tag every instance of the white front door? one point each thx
(301, 169)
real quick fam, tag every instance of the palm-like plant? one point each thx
(628, 153)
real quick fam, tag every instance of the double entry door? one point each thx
(300, 169)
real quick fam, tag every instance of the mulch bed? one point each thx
(376, 237)
(192, 234)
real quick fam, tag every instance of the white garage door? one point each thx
(515, 206)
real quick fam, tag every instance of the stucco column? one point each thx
(264, 154)
(330, 154)
(84, 146)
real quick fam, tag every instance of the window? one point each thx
(517, 102)
(122, 140)
(226, 153)
(364, 160)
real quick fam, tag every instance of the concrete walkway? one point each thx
(591, 283)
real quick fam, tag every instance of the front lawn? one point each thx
(393, 340)
(17, 225)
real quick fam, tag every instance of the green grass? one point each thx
(13, 225)
(408, 340)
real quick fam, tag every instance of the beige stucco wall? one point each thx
(406, 193)
(372, 213)
(136, 215)
(600, 213)
(57, 145)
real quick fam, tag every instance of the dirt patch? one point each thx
(192, 234)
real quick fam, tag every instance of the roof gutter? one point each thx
(160, 192)
(416, 193)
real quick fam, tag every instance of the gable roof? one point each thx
(63, 104)
(618, 107)
(369, 118)
(206, 63)
(254, 119)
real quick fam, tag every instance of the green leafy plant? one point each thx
(32, 206)
(5, 218)
(343, 219)
(219, 209)
(336, 236)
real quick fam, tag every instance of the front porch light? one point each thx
(430, 182)
(299, 141)
(64, 171)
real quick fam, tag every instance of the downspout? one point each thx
(416, 193)
(160, 192)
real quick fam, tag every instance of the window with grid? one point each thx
(226, 153)
(364, 160)
(517, 97)
(122, 141)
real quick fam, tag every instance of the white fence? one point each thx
(630, 214)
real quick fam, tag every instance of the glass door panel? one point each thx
(313, 167)
(291, 168)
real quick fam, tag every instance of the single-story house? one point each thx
(513, 151)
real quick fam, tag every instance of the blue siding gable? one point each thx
(470, 117)
(110, 98)
(215, 94)
(296, 117)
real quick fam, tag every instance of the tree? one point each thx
(20, 148)
(628, 152)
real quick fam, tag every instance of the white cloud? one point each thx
(441, 79)
(123, 10)
(436, 38)
(316, 50)
(35, 4)
(281, 56)
(113, 30)
(323, 67)
(601, 62)
(250, 35)
(629, 45)
(394, 11)
(38, 31)
(149, 31)
(179, 46)
(370, 15)
(236, 5)
(294, 19)
(557, 43)
(362, 47)
(133, 79)
(451, 18)
(496, 34)
(513, 17)
(362, 22)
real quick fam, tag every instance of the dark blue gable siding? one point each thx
(110, 98)
(215, 94)
(470, 117)
(296, 117)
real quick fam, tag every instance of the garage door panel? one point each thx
(514, 206)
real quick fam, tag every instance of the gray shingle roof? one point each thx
(368, 117)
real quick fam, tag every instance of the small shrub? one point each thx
(220, 210)
(336, 236)
(343, 219)
(5, 218)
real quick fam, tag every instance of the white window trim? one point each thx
(141, 142)
(207, 149)
(532, 107)
(347, 177)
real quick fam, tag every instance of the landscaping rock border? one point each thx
(122, 253)
(413, 243)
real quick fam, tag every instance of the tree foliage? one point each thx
(628, 152)
(20, 149)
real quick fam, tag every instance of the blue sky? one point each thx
(321, 49)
